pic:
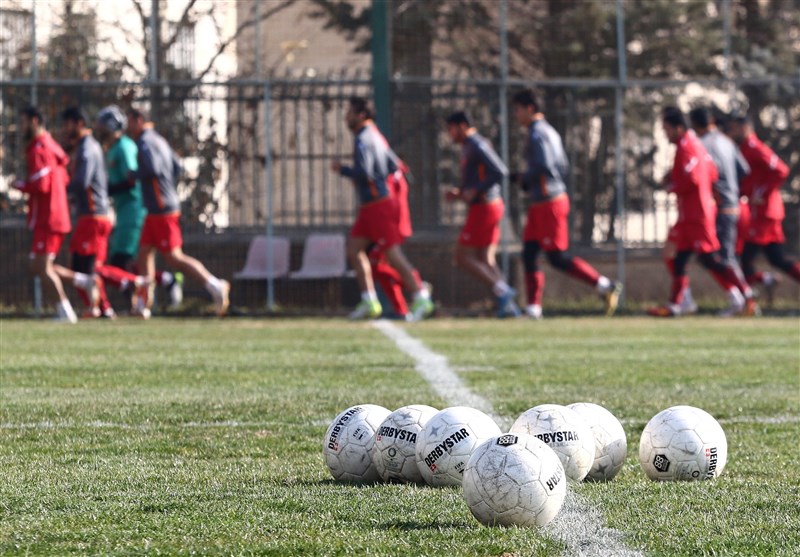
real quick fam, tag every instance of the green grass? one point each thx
(204, 437)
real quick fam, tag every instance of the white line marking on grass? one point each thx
(579, 524)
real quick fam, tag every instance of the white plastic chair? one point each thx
(256, 265)
(323, 257)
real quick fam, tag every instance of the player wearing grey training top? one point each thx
(482, 173)
(731, 167)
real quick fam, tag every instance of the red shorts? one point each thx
(45, 242)
(398, 185)
(696, 237)
(162, 232)
(547, 224)
(377, 222)
(482, 227)
(90, 237)
(764, 231)
(742, 226)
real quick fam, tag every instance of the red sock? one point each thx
(794, 272)
(756, 278)
(724, 280)
(104, 304)
(679, 286)
(417, 278)
(392, 285)
(84, 296)
(534, 286)
(582, 271)
(115, 276)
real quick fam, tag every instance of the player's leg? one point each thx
(731, 283)
(534, 279)
(42, 266)
(146, 264)
(391, 283)
(668, 253)
(218, 288)
(777, 258)
(369, 307)
(581, 270)
(680, 282)
(422, 305)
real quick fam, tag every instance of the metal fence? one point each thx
(258, 147)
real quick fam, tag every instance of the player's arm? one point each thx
(537, 164)
(38, 175)
(130, 165)
(776, 170)
(145, 170)
(683, 170)
(79, 181)
(742, 168)
(362, 162)
(496, 170)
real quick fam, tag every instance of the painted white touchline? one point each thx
(579, 524)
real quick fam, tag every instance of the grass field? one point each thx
(204, 437)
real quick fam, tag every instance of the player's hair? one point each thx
(74, 114)
(673, 116)
(362, 106)
(138, 113)
(32, 112)
(740, 118)
(458, 118)
(528, 97)
(700, 117)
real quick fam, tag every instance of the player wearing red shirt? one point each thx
(762, 188)
(547, 228)
(691, 180)
(48, 210)
(377, 220)
(482, 173)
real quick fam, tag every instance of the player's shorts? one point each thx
(742, 226)
(90, 237)
(162, 232)
(377, 221)
(398, 185)
(482, 227)
(45, 242)
(547, 224)
(691, 236)
(763, 231)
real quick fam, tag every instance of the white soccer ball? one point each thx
(564, 431)
(395, 441)
(610, 443)
(446, 442)
(514, 479)
(683, 443)
(346, 443)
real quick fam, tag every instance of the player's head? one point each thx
(31, 122)
(358, 112)
(674, 122)
(701, 119)
(458, 125)
(737, 126)
(74, 120)
(527, 104)
(137, 118)
(110, 122)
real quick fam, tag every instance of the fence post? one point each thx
(619, 161)
(504, 255)
(268, 189)
(37, 282)
(380, 67)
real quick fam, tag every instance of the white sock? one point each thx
(166, 278)
(64, 308)
(83, 281)
(603, 284)
(422, 294)
(768, 278)
(688, 299)
(214, 286)
(735, 297)
(501, 288)
(534, 310)
(369, 296)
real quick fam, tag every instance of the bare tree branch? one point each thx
(182, 22)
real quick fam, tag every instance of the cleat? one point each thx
(222, 300)
(92, 313)
(670, 310)
(506, 306)
(534, 311)
(421, 308)
(108, 313)
(426, 286)
(142, 313)
(176, 290)
(688, 307)
(751, 309)
(611, 298)
(770, 283)
(367, 309)
(736, 307)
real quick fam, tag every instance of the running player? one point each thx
(88, 188)
(547, 227)
(691, 180)
(377, 221)
(482, 173)
(762, 187)
(158, 172)
(731, 168)
(48, 209)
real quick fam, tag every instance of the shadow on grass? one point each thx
(410, 525)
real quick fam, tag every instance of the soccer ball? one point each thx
(514, 479)
(564, 431)
(393, 446)
(346, 443)
(610, 443)
(683, 443)
(446, 442)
